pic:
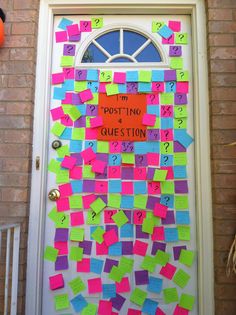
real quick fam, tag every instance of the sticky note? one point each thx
(64, 23)
(94, 285)
(83, 265)
(112, 89)
(175, 26)
(96, 122)
(156, 25)
(140, 201)
(58, 129)
(99, 166)
(162, 258)
(167, 98)
(67, 61)
(155, 285)
(85, 26)
(144, 76)
(56, 282)
(186, 301)
(181, 202)
(149, 306)
(120, 218)
(104, 307)
(74, 113)
(88, 155)
(77, 234)
(114, 201)
(97, 235)
(168, 271)
(108, 291)
(184, 233)
(97, 22)
(187, 257)
(61, 36)
(149, 120)
(140, 248)
(76, 253)
(110, 237)
(165, 31)
(170, 295)
(149, 263)
(77, 285)
(123, 286)
(61, 302)
(126, 264)
(90, 309)
(116, 274)
(50, 253)
(159, 175)
(138, 296)
(96, 265)
(181, 278)
(180, 158)
(98, 205)
(176, 63)
(78, 303)
(182, 75)
(181, 38)
(160, 210)
(128, 158)
(147, 226)
(86, 95)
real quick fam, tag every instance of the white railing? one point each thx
(12, 246)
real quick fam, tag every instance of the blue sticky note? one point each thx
(127, 202)
(165, 31)
(153, 147)
(180, 172)
(167, 200)
(140, 147)
(96, 265)
(108, 291)
(114, 159)
(155, 285)
(114, 186)
(68, 85)
(92, 75)
(66, 135)
(91, 144)
(115, 249)
(182, 217)
(75, 146)
(154, 110)
(149, 307)
(158, 75)
(93, 86)
(170, 87)
(82, 109)
(127, 230)
(78, 303)
(59, 93)
(77, 186)
(122, 88)
(171, 235)
(183, 137)
(132, 76)
(64, 23)
(144, 87)
(166, 160)
(166, 123)
(140, 187)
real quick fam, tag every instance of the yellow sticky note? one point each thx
(97, 22)
(176, 63)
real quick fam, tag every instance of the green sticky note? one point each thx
(180, 111)
(62, 177)
(138, 296)
(63, 150)
(176, 63)
(156, 220)
(78, 134)
(76, 253)
(167, 147)
(116, 274)
(161, 258)
(74, 113)
(62, 220)
(66, 108)
(105, 76)
(186, 301)
(181, 278)
(77, 285)
(114, 201)
(170, 295)
(128, 158)
(140, 201)
(54, 166)
(149, 263)
(50, 253)
(102, 146)
(181, 38)
(160, 175)
(144, 76)
(53, 214)
(126, 264)
(87, 118)
(94, 100)
(80, 86)
(180, 123)
(181, 202)
(180, 158)
(147, 226)
(120, 218)
(156, 126)
(90, 309)
(57, 129)
(67, 61)
(112, 89)
(97, 235)
(77, 234)
(167, 187)
(76, 202)
(98, 205)
(167, 98)
(184, 233)
(61, 302)
(186, 257)
(97, 22)
(182, 75)
(93, 218)
(87, 172)
(156, 25)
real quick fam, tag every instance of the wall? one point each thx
(17, 74)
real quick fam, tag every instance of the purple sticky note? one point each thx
(153, 134)
(141, 277)
(61, 235)
(141, 160)
(179, 147)
(151, 201)
(175, 51)
(181, 186)
(91, 110)
(150, 173)
(87, 247)
(170, 75)
(80, 123)
(104, 199)
(109, 263)
(181, 99)
(177, 251)
(76, 99)
(127, 172)
(79, 160)
(127, 147)
(103, 175)
(103, 157)
(117, 302)
(61, 263)
(75, 38)
(140, 233)
(80, 75)
(169, 219)
(132, 87)
(88, 186)
(127, 248)
(69, 50)
(128, 213)
(158, 246)
(109, 227)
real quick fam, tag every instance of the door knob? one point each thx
(56, 144)
(54, 194)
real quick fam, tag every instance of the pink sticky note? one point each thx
(152, 99)
(166, 111)
(58, 78)
(158, 233)
(153, 159)
(67, 99)
(87, 200)
(134, 312)
(98, 166)
(110, 237)
(96, 122)
(168, 271)
(160, 210)
(61, 36)
(85, 26)
(65, 190)
(73, 29)
(139, 216)
(154, 188)
(83, 265)
(101, 187)
(76, 172)
(94, 285)
(57, 113)
(62, 247)
(102, 87)
(158, 87)
(123, 286)
(91, 134)
(140, 173)
(88, 155)
(76, 218)
(66, 121)
(68, 162)
(140, 248)
(104, 307)
(56, 282)
(175, 26)
(86, 95)
(170, 172)
(114, 171)
(182, 87)
(167, 135)
(115, 146)
(101, 249)
(169, 41)
(119, 77)
(149, 120)
(180, 311)
(108, 216)
(63, 204)
(127, 188)
(159, 312)
(69, 73)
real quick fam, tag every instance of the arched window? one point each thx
(121, 46)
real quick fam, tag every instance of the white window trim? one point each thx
(196, 9)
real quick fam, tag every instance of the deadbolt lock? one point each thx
(54, 194)
(56, 144)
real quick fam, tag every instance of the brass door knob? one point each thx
(56, 144)
(54, 194)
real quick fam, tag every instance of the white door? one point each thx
(121, 106)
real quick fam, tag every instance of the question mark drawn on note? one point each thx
(93, 215)
(158, 25)
(152, 97)
(91, 144)
(181, 74)
(110, 213)
(97, 21)
(181, 36)
(114, 158)
(140, 157)
(175, 48)
(113, 169)
(85, 24)
(69, 49)
(92, 108)
(171, 85)
(158, 85)
(79, 73)
(139, 215)
(166, 133)
(180, 121)
(115, 144)
(167, 199)
(165, 159)
(63, 219)
(166, 146)
(180, 109)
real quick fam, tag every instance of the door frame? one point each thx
(49, 8)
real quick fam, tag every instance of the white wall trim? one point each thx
(196, 9)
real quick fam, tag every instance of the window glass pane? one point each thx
(121, 59)
(149, 54)
(111, 42)
(132, 41)
(93, 54)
